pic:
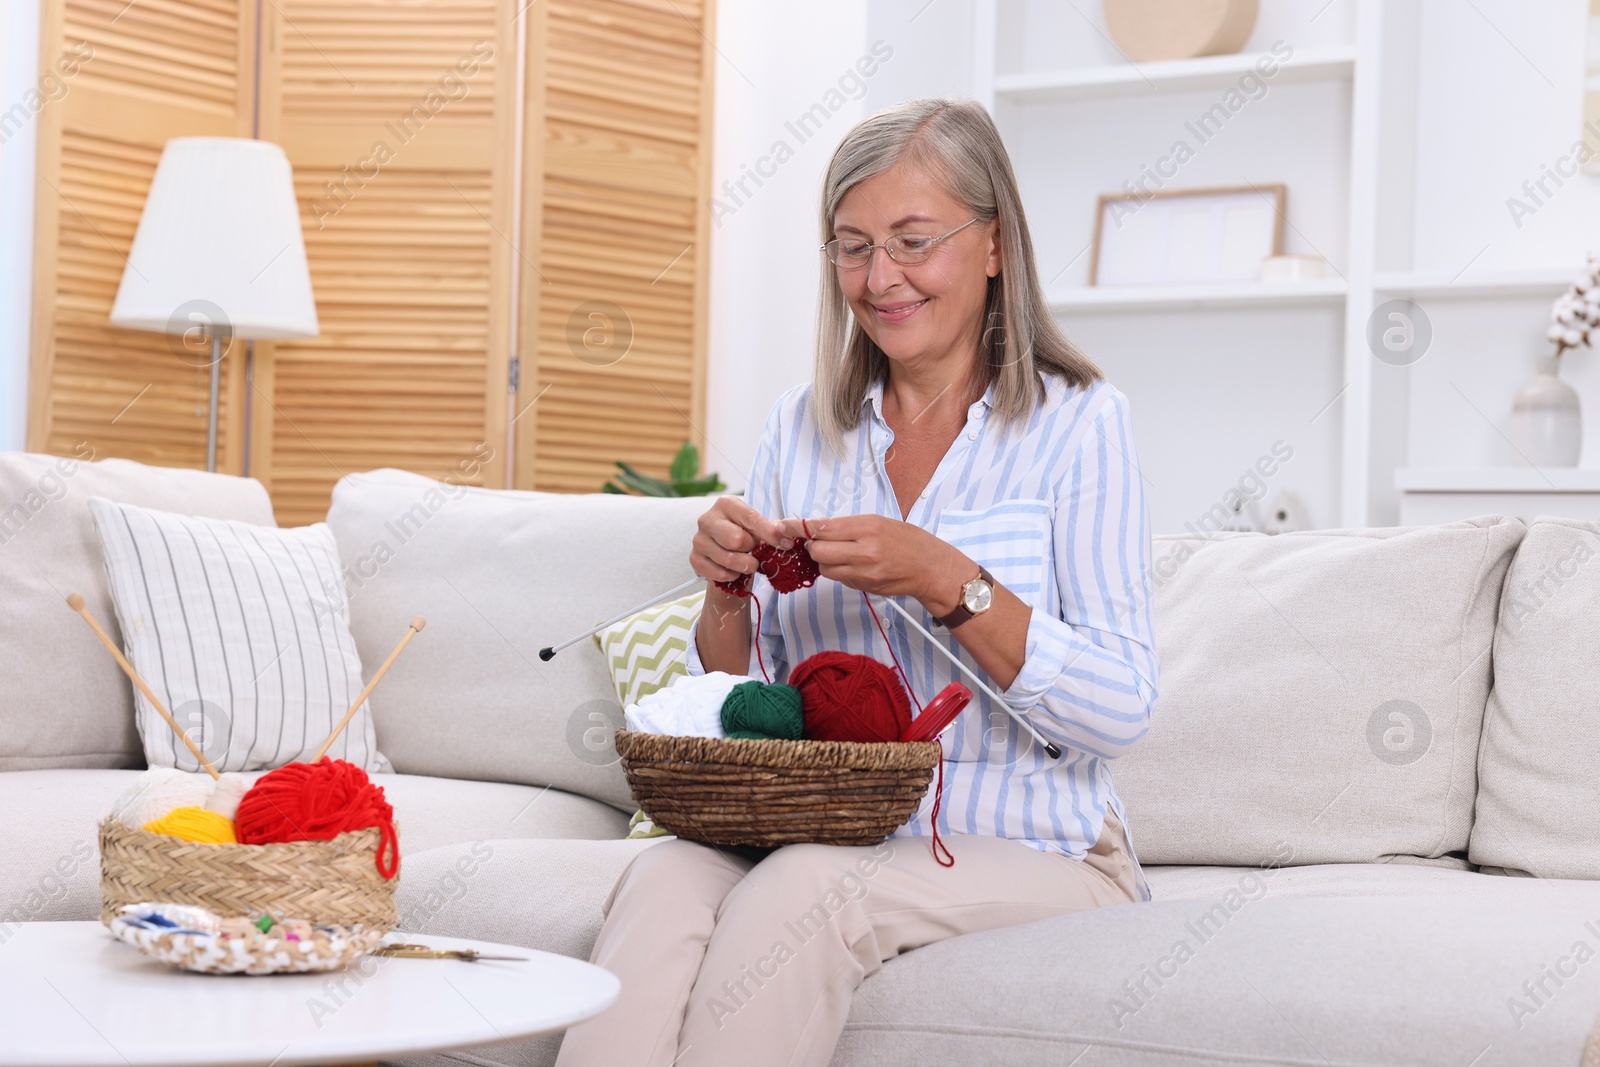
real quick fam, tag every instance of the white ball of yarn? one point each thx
(158, 791)
(228, 791)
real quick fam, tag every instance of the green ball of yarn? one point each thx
(757, 710)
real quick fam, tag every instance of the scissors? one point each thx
(404, 950)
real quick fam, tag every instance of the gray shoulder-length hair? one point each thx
(955, 141)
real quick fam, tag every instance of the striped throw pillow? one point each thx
(647, 651)
(242, 631)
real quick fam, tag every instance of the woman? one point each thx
(962, 456)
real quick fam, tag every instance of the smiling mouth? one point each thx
(900, 313)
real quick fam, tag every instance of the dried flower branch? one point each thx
(1575, 316)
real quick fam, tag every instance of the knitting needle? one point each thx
(1052, 750)
(548, 653)
(76, 603)
(411, 631)
(404, 950)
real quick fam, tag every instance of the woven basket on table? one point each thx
(733, 791)
(333, 881)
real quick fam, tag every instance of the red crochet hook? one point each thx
(941, 711)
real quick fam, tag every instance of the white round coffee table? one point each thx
(71, 995)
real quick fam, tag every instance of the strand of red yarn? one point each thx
(318, 802)
(947, 860)
(890, 647)
(787, 569)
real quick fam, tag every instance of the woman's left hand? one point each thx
(885, 556)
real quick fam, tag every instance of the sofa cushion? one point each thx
(649, 650)
(242, 632)
(1537, 807)
(1397, 879)
(50, 857)
(500, 574)
(1306, 982)
(433, 812)
(1321, 693)
(64, 701)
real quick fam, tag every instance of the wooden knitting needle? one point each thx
(548, 653)
(76, 603)
(411, 631)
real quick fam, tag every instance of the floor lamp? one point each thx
(218, 255)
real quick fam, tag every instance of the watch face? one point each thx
(978, 595)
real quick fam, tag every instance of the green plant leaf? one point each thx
(711, 483)
(682, 480)
(686, 464)
(642, 483)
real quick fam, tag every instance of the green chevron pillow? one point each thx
(647, 651)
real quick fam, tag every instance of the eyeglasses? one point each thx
(903, 248)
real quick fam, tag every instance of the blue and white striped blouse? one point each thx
(1055, 509)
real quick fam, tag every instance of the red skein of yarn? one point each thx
(849, 697)
(317, 802)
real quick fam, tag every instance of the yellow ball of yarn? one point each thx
(195, 824)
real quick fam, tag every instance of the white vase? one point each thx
(1546, 421)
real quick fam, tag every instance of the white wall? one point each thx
(1499, 100)
(19, 61)
(779, 60)
(776, 62)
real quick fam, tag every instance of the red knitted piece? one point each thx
(317, 802)
(848, 697)
(787, 569)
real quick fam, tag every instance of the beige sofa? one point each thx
(1365, 742)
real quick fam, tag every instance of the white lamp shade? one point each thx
(219, 237)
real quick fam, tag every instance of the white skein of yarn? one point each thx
(690, 707)
(228, 791)
(158, 791)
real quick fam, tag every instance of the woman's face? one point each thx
(921, 312)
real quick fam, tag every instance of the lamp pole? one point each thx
(216, 388)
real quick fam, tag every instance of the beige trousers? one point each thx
(725, 960)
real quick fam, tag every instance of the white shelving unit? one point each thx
(1207, 72)
(1350, 105)
(1440, 494)
(1089, 299)
(1505, 284)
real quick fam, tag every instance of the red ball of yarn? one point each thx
(317, 802)
(849, 697)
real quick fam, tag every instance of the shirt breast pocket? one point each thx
(1011, 539)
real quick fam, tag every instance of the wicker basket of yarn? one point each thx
(333, 881)
(347, 878)
(769, 792)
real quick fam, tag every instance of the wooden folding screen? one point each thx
(616, 310)
(428, 235)
(133, 76)
(399, 122)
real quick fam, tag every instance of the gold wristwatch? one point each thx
(976, 597)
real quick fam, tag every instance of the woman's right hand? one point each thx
(729, 530)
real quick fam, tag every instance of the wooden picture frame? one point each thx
(1235, 216)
